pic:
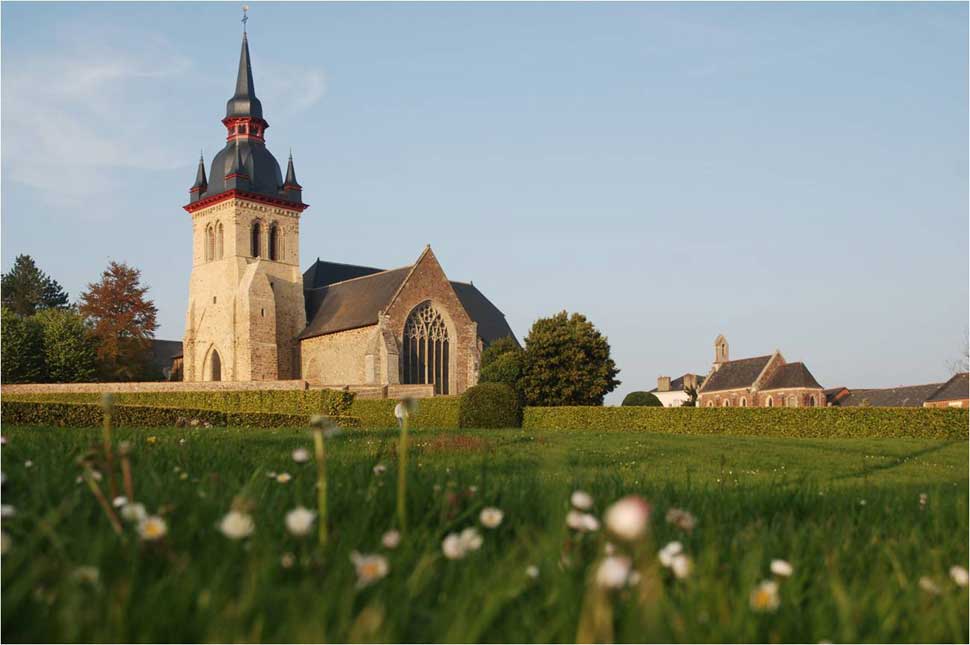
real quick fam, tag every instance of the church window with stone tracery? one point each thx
(424, 359)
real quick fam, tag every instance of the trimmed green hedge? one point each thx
(490, 405)
(85, 415)
(333, 403)
(918, 423)
(646, 399)
(439, 413)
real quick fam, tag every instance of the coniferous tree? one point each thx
(25, 289)
(123, 320)
(567, 362)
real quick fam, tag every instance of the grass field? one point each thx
(845, 513)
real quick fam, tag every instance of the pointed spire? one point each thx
(244, 101)
(290, 174)
(200, 180)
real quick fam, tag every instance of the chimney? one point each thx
(663, 383)
(690, 380)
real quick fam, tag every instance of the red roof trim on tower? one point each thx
(239, 194)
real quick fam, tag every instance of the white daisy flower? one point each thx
(299, 521)
(370, 568)
(666, 554)
(133, 512)
(28, 464)
(491, 517)
(236, 525)
(781, 568)
(681, 565)
(582, 500)
(391, 539)
(628, 518)
(301, 455)
(764, 597)
(583, 522)
(532, 571)
(929, 586)
(613, 571)
(283, 478)
(119, 501)
(959, 575)
(471, 539)
(681, 519)
(453, 547)
(152, 528)
(380, 469)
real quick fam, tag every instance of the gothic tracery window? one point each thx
(424, 358)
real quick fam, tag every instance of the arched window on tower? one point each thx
(255, 244)
(425, 354)
(210, 241)
(274, 242)
(219, 238)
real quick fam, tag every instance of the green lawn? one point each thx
(845, 513)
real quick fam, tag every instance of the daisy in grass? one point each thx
(452, 547)
(152, 528)
(283, 478)
(380, 469)
(6, 510)
(471, 539)
(682, 519)
(236, 525)
(582, 500)
(301, 455)
(628, 518)
(119, 501)
(666, 555)
(133, 512)
(923, 499)
(370, 568)
(287, 560)
(299, 521)
(582, 522)
(959, 575)
(781, 568)
(391, 539)
(490, 517)
(532, 571)
(764, 597)
(28, 464)
(613, 571)
(681, 565)
(929, 586)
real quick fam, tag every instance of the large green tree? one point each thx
(123, 320)
(25, 289)
(567, 362)
(503, 362)
(70, 350)
(22, 349)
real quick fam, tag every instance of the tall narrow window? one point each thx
(215, 366)
(274, 241)
(425, 354)
(768, 402)
(255, 241)
(210, 252)
(219, 241)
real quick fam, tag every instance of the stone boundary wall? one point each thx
(363, 391)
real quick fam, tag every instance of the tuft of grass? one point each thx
(856, 565)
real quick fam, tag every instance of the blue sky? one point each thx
(793, 176)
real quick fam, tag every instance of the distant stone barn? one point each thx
(252, 315)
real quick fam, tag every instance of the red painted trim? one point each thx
(292, 187)
(237, 174)
(239, 194)
(195, 189)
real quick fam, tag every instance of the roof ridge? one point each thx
(361, 277)
(345, 264)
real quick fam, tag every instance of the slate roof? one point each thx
(677, 384)
(347, 296)
(834, 394)
(736, 374)
(163, 351)
(909, 396)
(791, 375)
(957, 388)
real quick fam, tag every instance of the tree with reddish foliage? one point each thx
(123, 321)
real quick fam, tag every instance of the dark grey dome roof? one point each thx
(260, 164)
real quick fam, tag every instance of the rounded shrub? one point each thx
(641, 398)
(489, 405)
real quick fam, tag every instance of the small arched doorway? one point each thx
(214, 371)
(426, 349)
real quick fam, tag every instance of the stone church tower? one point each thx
(246, 305)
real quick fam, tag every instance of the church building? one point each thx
(254, 316)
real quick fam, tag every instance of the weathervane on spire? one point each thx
(245, 18)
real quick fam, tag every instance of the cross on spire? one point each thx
(245, 18)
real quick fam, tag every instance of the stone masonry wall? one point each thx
(336, 358)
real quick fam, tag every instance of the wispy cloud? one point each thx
(86, 111)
